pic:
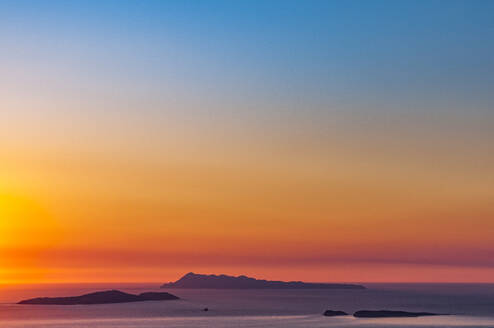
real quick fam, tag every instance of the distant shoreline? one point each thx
(202, 281)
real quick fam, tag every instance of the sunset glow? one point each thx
(134, 148)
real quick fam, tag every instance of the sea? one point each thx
(463, 305)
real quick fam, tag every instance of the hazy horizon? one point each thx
(332, 141)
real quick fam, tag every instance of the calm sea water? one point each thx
(471, 304)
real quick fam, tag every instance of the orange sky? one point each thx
(302, 140)
(73, 210)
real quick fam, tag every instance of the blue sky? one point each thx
(395, 55)
(359, 132)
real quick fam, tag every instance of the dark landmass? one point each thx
(192, 280)
(105, 297)
(331, 313)
(390, 314)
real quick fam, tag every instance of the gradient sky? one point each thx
(312, 140)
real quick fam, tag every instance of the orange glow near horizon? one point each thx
(294, 140)
(146, 217)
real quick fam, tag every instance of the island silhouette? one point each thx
(391, 314)
(104, 297)
(379, 314)
(199, 281)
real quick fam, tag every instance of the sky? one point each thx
(298, 140)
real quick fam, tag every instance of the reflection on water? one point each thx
(314, 321)
(473, 306)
